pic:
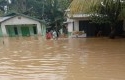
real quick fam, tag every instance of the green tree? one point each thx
(17, 6)
(3, 4)
(109, 11)
(54, 12)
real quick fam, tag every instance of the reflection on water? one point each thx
(34, 58)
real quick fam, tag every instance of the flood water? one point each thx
(33, 58)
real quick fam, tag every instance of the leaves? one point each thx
(112, 9)
(82, 6)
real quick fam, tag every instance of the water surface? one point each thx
(33, 58)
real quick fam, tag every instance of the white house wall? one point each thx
(76, 25)
(19, 30)
(4, 31)
(39, 29)
(70, 27)
(72, 23)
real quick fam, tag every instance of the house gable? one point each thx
(14, 14)
(17, 20)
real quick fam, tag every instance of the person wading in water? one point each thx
(54, 35)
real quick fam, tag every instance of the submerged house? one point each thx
(16, 24)
(82, 22)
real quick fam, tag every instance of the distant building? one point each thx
(16, 24)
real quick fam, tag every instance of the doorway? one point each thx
(25, 31)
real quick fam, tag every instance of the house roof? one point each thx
(4, 18)
(12, 15)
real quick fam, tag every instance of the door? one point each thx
(83, 25)
(10, 30)
(25, 31)
(88, 28)
(35, 30)
(15, 30)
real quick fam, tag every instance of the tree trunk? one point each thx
(113, 31)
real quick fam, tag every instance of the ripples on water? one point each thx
(63, 59)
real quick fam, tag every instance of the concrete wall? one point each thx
(1, 34)
(70, 27)
(76, 25)
(71, 23)
(31, 30)
(43, 28)
(19, 30)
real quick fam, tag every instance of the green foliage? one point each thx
(109, 11)
(17, 6)
(54, 12)
(3, 3)
(100, 19)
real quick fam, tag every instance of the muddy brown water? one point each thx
(35, 58)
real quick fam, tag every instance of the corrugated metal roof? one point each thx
(4, 18)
